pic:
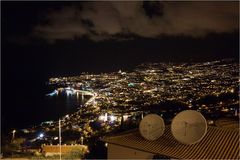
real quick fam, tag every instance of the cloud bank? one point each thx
(118, 20)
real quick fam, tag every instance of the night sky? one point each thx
(45, 39)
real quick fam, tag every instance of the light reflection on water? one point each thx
(63, 103)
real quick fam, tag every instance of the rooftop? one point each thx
(218, 143)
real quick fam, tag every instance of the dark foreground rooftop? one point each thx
(218, 143)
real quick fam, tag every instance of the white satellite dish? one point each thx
(189, 127)
(152, 127)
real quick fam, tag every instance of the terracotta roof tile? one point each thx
(218, 143)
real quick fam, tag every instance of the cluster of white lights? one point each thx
(112, 118)
(105, 118)
(40, 136)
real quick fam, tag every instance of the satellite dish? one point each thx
(152, 127)
(189, 127)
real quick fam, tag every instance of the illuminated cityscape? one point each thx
(122, 98)
(79, 78)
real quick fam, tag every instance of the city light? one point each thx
(106, 144)
(112, 118)
(55, 92)
(125, 117)
(13, 134)
(40, 136)
(68, 92)
(102, 117)
(105, 117)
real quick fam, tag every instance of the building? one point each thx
(51, 150)
(218, 143)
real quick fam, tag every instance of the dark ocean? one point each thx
(25, 106)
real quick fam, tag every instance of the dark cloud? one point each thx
(153, 8)
(106, 20)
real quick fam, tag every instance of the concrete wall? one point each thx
(119, 152)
